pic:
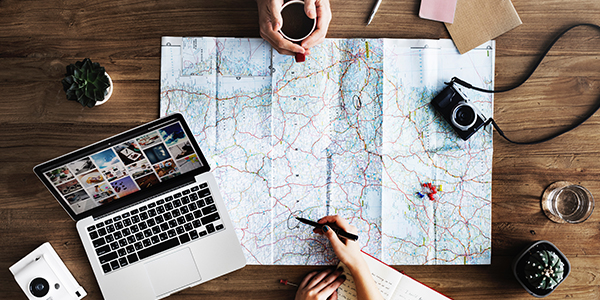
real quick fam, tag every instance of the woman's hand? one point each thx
(320, 285)
(270, 21)
(346, 250)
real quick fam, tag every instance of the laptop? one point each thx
(148, 210)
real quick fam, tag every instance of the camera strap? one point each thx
(490, 120)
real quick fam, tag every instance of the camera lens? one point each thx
(39, 287)
(464, 116)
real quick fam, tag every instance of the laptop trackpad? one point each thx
(172, 272)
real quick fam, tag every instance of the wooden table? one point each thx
(39, 38)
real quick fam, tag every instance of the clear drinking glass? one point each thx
(564, 202)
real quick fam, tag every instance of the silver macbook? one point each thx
(148, 210)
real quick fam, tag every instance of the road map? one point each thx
(350, 132)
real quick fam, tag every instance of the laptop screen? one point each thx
(118, 171)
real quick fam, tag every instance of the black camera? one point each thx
(463, 116)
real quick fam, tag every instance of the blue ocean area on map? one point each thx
(350, 132)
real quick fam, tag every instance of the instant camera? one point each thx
(43, 275)
(461, 114)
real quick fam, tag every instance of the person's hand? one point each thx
(270, 21)
(346, 250)
(320, 285)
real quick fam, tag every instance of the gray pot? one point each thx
(518, 267)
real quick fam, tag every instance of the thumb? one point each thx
(310, 9)
(332, 237)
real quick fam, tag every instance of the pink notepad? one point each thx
(438, 10)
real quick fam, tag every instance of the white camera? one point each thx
(43, 275)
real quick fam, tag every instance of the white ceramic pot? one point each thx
(110, 90)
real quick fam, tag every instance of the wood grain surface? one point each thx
(38, 39)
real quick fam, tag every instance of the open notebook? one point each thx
(392, 284)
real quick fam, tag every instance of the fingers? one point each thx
(339, 222)
(323, 12)
(310, 9)
(270, 22)
(325, 281)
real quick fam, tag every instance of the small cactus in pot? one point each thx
(544, 269)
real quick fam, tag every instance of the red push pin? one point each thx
(285, 282)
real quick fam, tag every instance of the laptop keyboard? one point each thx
(155, 227)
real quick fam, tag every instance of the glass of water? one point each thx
(564, 202)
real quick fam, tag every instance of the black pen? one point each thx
(339, 231)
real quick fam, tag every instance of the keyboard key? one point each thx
(177, 203)
(102, 231)
(196, 223)
(134, 229)
(168, 216)
(188, 227)
(204, 185)
(123, 261)
(114, 264)
(93, 235)
(143, 208)
(164, 226)
(195, 189)
(203, 193)
(155, 230)
(102, 250)
(135, 219)
(210, 228)
(110, 228)
(189, 217)
(219, 227)
(184, 210)
(98, 242)
(147, 243)
(193, 197)
(125, 215)
(209, 209)
(108, 222)
(99, 224)
(203, 233)
(169, 198)
(138, 246)
(172, 223)
(135, 211)
(152, 213)
(106, 268)
(169, 206)
(139, 236)
(114, 245)
(193, 206)
(209, 200)
(186, 192)
(126, 232)
(121, 252)
(160, 209)
(122, 242)
(159, 219)
(91, 228)
(176, 213)
(168, 244)
(152, 205)
(171, 233)
(193, 234)
(177, 195)
(119, 225)
(127, 222)
(131, 239)
(118, 235)
(143, 225)
(132, 258)
(185, 200)
(130, 249)
(117, 218)
(180, 230)
(210, 218)
(155, 239)
(197, 214)
(201, 203)
(163, 236)
(144, 216)
(184, 238)
(147, 233)
(160, 202)
(109, 238)
(180, 220)
(107, 257)
(151, 222)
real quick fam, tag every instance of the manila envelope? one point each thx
(478, 21)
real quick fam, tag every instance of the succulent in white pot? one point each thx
(87, 83)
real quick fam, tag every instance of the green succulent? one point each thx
(544, 269)
(86, 82)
